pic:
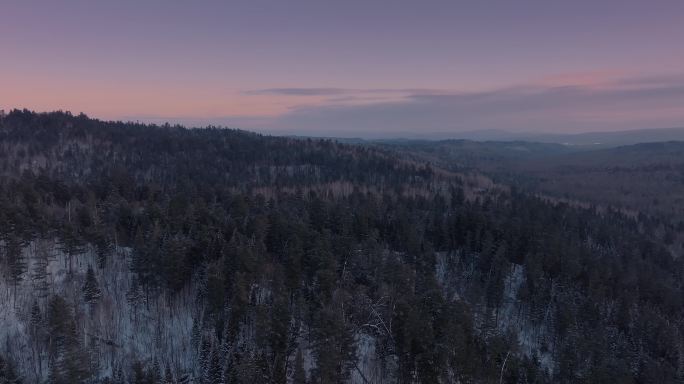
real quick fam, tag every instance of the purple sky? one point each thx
(351, 68)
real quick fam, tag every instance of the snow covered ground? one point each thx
(114, 330)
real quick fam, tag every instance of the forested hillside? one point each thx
(643, 179)
(158, 254)
(647, 178)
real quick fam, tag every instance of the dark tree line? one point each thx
(301, 247)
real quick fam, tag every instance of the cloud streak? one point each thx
(298, 91)
(334, 91)
(565, 104)
(618, 104)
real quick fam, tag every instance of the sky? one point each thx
(367, 68)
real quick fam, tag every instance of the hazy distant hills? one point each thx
(600, 139)
(669, 153)
(587, 140)
(646, 177)
(222, 256)
(477, 155)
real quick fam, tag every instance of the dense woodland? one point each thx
(158, 254)
(646, 178)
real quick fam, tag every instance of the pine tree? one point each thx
(215, 375)
(16, 264)
(39, 272)
(196, 334)
(174, 263)
(71, 244)
(334, 348)
(69, 363)
(103, 248)
(134, 295)
(184, 378)
(91, 288)
(36, 317)
(155, 371)
(299, 376)
(204, 360)
(118, 376)
(168, 375)
(139, 376)
(8, 373)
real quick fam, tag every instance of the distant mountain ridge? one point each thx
(609, 139)
(584, 140)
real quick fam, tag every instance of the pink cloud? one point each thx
(588, 79)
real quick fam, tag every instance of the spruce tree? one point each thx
(134, 294)
(204, 360)
(299, 376)
(215, 375)
(118, 376)
(69, 363)
(71, 244)
(39, 272)
(103, 248)
(155, 371)
(91, 288)
(8, 372)
(36, 317)
(168, 375)
(15, 259)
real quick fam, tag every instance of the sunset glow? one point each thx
(288, 66)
